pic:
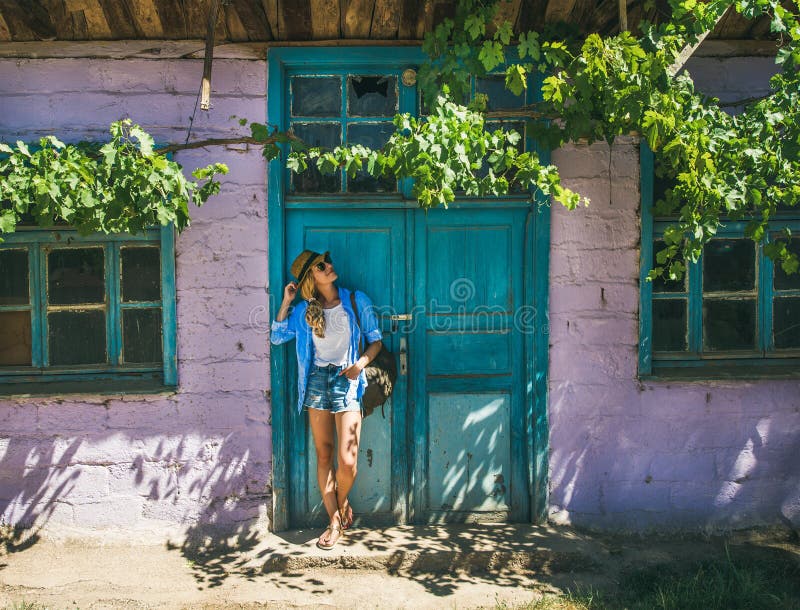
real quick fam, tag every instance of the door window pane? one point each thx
(669, 325)
(786, 322)
(75, 275)
(371, 96)
(729, 324)
(14, 277)
(328, 135)
(141, 274)
(77, 337)
(782, 280)
(141, 335)
(500, 98)
(316, 97)
(15, 338)
(373, 135)
(729, 265)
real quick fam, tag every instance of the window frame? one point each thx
(41, 378)
(764, 361)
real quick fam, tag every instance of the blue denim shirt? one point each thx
(296, 327)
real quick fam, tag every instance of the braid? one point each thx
(314, 315)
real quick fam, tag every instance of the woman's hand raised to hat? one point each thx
(290, 292)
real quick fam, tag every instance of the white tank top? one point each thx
(332, 349)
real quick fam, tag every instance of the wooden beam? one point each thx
(5, 34)
(61, 19)
(253, 18)
(146, 18)
(358, 18)
(385, 20)
(96, 24)
(507, 10)
(205, 85)
(623, 15)
(409, 15)
(295, 19)
(424, 18)
(119, 18)
(558, 10)
(34, 23)
(689, 49)
(532, 15)
(172, 16)
(233, 24)
(325, 19)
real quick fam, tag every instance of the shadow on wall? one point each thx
(207, 487)
(695, 460)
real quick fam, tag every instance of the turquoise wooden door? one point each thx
(468, 365)
(369, 250)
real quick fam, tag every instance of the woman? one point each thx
(330, 369)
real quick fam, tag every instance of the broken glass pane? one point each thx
(669, 325)
(313, 96)
(729, 265)
(15, 338)
(14, 277)
(782, 280)
(373, 135)
(328, 135)
(500, 98)
(371, 95)
(77, 337)
(786, 322)
(75, 275)
(664, 284)
(729, 324)
(141, 274)
(141, 335)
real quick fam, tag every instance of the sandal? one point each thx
(346, 519)
(334, 529)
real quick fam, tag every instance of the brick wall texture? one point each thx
(623, 453)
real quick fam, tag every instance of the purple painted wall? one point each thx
(633, 454)
(163, 463)
(623, 453)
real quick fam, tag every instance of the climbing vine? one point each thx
(720, 166)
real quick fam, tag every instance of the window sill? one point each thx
(98, 387)
(709, 370)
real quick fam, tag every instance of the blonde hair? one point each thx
(314, 315)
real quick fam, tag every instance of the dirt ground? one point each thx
(471, 566)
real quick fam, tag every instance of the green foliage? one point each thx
(124, 185)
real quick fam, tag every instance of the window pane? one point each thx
(375, 136)
(15, 338)
(669, 325)
(786, 322)
(77, 337)
(316, 96)
(14, 277)
(663, 284)
(141, 274)
(782, 280)
(141, 335)
(729, 324)
(312, 180)
(729, 265)
(500, 98)
(76, 275)
(371, 96)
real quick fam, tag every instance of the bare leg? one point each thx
(322, 428)
(348, 430)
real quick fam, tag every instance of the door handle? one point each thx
(403, 356)
(399, 317)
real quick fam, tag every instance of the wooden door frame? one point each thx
(537, 255)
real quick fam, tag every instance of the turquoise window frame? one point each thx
(114, 377)
(764, 361)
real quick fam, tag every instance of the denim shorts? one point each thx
(327, 390)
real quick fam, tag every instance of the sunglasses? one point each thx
(320, 266)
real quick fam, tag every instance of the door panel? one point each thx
(368, 250)
(469, 420)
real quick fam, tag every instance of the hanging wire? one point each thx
(194, 112)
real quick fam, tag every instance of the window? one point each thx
(733, 314)
(82, 313)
